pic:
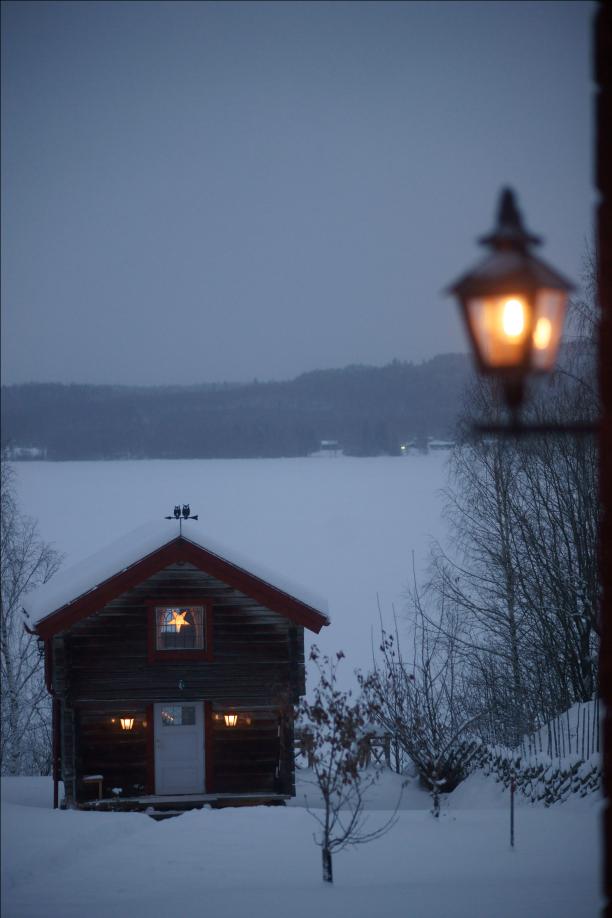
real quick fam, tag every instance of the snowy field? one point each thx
(261, 861)
(344, 528)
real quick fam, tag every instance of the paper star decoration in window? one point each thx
(178, 620)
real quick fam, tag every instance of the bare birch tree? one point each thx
(419, 698)
(522, 573)
(25, 562)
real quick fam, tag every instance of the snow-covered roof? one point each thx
(84, 577)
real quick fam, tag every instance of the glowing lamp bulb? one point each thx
(127, 723)
(542, 333)
(513, 318)
(231, 720)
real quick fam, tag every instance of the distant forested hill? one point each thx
(369, 410)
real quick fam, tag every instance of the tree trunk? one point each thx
(328, 875)
(436, 801)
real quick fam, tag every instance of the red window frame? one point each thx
(155, 655)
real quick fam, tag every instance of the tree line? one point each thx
(368, 410)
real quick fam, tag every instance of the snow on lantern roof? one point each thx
(87, 575)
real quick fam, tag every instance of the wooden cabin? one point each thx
(174, 667)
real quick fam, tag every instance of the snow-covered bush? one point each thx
(557, 761)
(419, 699)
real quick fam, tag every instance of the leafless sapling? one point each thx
(335, 733)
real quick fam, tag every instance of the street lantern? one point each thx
(513, 305)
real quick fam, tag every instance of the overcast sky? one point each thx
(222, 191)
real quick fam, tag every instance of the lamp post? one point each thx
(513, 305)
(514, 390)
(603, 180)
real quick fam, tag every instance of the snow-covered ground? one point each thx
(261, 861)
(344, 528)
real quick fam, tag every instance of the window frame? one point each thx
(157, 655)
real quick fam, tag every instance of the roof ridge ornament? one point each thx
(181, 513)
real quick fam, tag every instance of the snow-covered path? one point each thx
(261, 861)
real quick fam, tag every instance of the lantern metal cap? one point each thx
(510, 266)
(509, 232)
(508, 271)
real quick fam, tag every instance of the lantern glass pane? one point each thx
(549, 315)
(501, 329)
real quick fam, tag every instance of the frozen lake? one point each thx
(345, 528)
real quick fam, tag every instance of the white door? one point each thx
(179, 748)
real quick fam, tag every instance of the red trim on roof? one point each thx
(181, 549)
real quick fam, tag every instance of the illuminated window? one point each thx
(179, 628)
(181, 631)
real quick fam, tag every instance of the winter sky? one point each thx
(222, 191)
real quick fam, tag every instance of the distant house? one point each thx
(441, 444)
(173, 666)
(424, 445)
(17, 453)
(328, 448)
